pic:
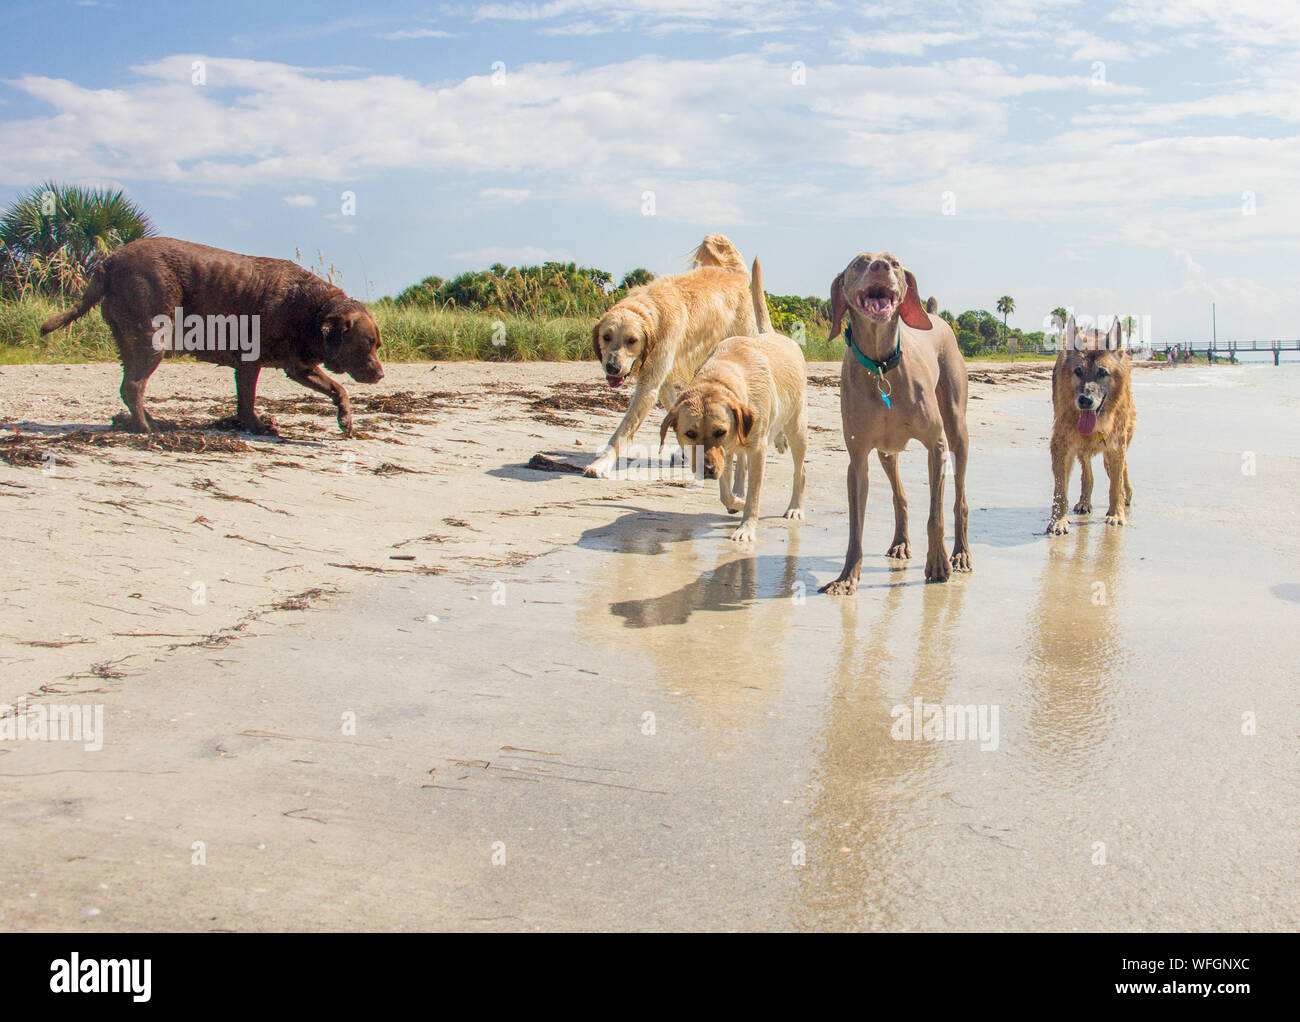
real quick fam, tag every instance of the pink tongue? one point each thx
(1087, 422)
(878, 304)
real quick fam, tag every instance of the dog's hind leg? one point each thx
(246, 374)
(847, 583)
(1084, 506)
(938, 567)
(138, 364)
(899, 547)
(954, 427)
(796, 435)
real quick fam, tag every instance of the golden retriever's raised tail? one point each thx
(761, 316)
(717, 250)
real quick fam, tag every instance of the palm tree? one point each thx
(635, 278)
(1006, 305)
(65, 230)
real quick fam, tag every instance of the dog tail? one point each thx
(717, 250)
(932, 306)
(92, 296)
(761, 316)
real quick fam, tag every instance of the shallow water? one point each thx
(1122, 791)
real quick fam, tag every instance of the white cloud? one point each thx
(300, 200)
(505, 195)
(415, 33)
(525, 256)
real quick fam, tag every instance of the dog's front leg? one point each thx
(643, 400)
(314, 379)
(1117, 470)
(756, 457)
(1059, 524)
(847, 583)
(937, 565)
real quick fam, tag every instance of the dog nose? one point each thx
(710, 472)
(877, 265)
(1085, 401)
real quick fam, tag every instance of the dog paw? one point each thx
(259, 426)
(961, 560)
(840, 587)
(794, 513)
(746, 533)
(345, 424)
(900, 551)
(1058, 527)
(598, 470)
(1084, 507)
(1116, 518)
(937, 567)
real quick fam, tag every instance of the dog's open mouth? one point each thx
(1088, 420)
(877, 301)
(614, 381)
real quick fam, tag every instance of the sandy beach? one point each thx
(405, 681)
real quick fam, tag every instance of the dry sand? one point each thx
(580, 706)
(119, 546)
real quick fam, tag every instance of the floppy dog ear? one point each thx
(839, 305)
(1071, 334)
(744, 420)
(912, 311)
(333, 332)
(595, 342)
(670, 422)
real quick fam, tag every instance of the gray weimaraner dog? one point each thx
(903, 379)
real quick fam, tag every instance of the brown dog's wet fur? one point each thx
(1106, 373)
(303, 321)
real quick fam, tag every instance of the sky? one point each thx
(1135, 157)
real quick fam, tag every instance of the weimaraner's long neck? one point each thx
(875, 340)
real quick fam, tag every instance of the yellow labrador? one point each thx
(749, 391)
(662, 332)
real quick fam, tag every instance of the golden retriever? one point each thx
(1092, 397)
(662, 332)
(749, 391)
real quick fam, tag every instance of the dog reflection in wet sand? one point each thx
(1094, 414)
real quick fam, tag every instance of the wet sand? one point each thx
(619, 719)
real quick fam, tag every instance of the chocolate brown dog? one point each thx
(161, 295)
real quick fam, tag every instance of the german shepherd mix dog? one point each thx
(1094, 414)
